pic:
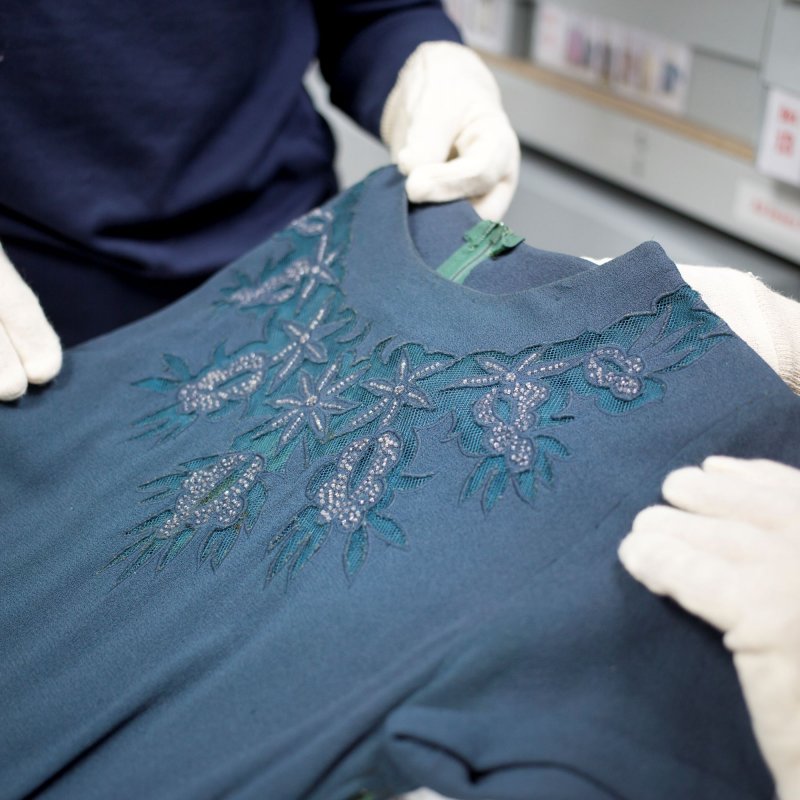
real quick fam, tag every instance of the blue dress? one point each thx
(333, 526)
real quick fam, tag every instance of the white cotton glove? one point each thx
(729, 551)
(445, 128)
(30, 351)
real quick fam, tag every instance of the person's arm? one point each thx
(398, 69)
(363, 45)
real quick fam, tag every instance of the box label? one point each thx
(770, 212)
(629, 61)
(779, 147)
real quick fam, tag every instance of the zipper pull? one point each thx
(485, 240)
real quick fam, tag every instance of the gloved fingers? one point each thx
(426, 144)
(732, 541)
(37, 345)
(758, 470)
(771, 680)
(27, 330)
(502, 147)
(497, 201)
(439, 87)
(729, 496)
(488, 153)
(446, 129)
(704, 585)
(13, 380)
(452, 180)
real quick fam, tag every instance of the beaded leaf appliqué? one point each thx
(213, 392)
(345, 422)
(346, 498)
(216, 498)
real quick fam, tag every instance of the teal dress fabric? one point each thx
(332, 526)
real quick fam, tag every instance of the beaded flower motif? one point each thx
(312, 407)
(346, 498)
(216, 498)
(213, 392)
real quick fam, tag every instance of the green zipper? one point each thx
(485, 240)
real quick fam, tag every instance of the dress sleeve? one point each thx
(364, 43)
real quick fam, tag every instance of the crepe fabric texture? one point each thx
(333, 524)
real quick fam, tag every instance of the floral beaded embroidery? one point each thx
(508, 417)
(313, 406)
(399, 390)
(305, 343)
(217, 497)
(315, 246)
(508, 429)
(301, 277)
(344, 414)
(295, 294)
(214, 391)
(345, 498)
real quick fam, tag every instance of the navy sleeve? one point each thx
(364, 43)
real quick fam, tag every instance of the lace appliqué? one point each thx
(341, 501)
(506, 428)
(216, 498)
(294, 298)
(344, 422)
(346, 497)
(213, 392)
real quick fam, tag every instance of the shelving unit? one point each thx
(703, 173)
(562, 208)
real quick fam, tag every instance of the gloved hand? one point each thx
(30, 351)
(446, 105)
(729, 551)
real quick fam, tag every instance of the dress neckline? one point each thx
(388, 277)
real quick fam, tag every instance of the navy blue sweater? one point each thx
(164, 138)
